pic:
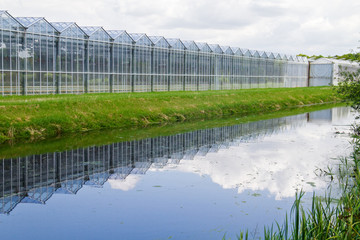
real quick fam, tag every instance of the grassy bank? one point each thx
(38, 117)
(104, 137)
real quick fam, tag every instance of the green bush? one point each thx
(349, 88)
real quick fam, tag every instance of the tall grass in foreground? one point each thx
(327, 219)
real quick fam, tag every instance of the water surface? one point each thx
(194, 185)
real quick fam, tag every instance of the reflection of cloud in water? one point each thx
(125, 184)
(280, 163)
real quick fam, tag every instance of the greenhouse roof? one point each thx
(204, 47)
(216, 48)
(227, 50)
(155, 39)
(254, 53)
(246, 52)
(240, 51)
(159, 41)
(176, 43)
(63, 26)
(236, 50)
(90, 30)
(270, 55)
(3, 12)
(137, 36)
(278, 56)
(262, 54)
(28, 21)
(115, 34)
(191, 45)
(141, 38)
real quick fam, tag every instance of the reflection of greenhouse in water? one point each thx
(34, 179)
(39, 57)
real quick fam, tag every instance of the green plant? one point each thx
(349, 87)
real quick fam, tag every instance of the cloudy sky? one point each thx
(326, 27)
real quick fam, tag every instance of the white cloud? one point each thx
(280, 163)
(288, 26)
(125, 184)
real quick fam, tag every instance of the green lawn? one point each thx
(39, 117)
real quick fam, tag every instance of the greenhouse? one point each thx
(327, 71)
(42, 57)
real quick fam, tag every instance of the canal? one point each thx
(194, 185)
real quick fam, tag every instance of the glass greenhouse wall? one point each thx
(11, 54)
(71, 58)
(121, 61)
(39, 57)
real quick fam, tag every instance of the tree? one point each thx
(349, 88)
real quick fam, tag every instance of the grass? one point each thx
(34, 118)
(104, 137)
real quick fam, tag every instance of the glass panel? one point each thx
(99, 60)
